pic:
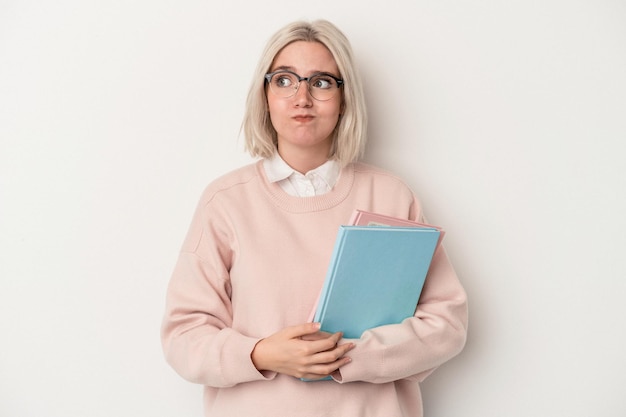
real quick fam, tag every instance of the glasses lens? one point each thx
(284, 84)
(322, 87)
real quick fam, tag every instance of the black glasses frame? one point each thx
(268, 79)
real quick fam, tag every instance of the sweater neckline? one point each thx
(296, 204)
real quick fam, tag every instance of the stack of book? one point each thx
(376, 273)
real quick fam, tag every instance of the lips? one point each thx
(303, 118)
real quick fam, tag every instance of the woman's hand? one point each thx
(301, 351)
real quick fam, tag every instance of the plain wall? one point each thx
(508, 119)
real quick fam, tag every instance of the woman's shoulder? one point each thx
(231, 181)
(387, 186)
(377, 173)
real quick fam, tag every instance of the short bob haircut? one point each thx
(349, 136)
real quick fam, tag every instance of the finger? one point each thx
(301, 330)
(337, 337)
(326, 344)
(323, 370)
(332, 355)
(316, 336)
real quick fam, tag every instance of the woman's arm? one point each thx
(196, 333)
(412, 349)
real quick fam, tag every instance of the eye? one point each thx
(283, 80)
(323, 82)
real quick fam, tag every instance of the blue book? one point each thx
(375, 277)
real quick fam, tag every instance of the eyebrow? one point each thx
(292, 69)
(283, 67)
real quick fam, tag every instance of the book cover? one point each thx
(367, 218)
(375, 277)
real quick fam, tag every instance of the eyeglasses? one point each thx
(285, 84)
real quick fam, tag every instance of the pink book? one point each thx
(366, 218)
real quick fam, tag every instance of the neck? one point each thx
(303, 161)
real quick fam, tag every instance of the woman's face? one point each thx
(304, 125)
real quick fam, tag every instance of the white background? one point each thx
(507, 118)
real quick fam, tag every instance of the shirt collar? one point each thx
(277, 169)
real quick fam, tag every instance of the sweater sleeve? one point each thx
(414, 348)
(196, 332)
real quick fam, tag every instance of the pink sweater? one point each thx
(253, 263)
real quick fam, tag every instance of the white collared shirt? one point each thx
(315, 182)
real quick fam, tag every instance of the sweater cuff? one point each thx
(365, 366)
(236, 362)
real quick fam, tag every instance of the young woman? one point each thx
(256, 255)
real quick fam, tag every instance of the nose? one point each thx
(303, 95)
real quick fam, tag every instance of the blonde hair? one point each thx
(349, 135)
